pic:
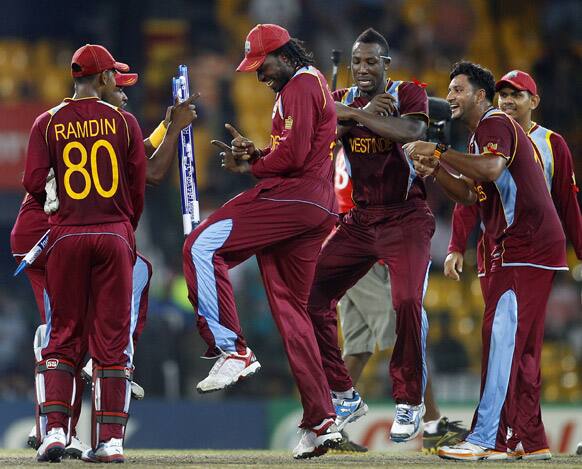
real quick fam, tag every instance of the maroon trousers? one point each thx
(399, 236)
(88, 265)
(512, 334)
(286, 237)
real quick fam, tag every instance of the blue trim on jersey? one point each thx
(539, 136)
(351, 95)
(202, 251)
(411, 176)
(393, 90)
(508, 193)
(348, 165)
(424, 332)
(501, 351)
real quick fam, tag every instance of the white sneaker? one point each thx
(76, 448)
(228, 369)
(109, 451)
(406, 423)
(348, 410)
(317, 440)
(52, 447)
(466, 451)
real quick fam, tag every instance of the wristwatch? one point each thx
(439, 150)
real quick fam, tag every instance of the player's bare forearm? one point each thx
(162, 157)
(459, 189)
(397, 129)
(487, 167)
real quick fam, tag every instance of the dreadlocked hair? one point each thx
(296, 52)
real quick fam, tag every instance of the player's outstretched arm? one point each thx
(181, 115)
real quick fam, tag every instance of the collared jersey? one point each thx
(99, 160)
(556, 159)
(516, 209)
(379, 171)
(303, 135)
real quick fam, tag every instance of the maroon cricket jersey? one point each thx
(99, 160)
(380, 172)
(516, 209)
(559, 173)
(298, 162)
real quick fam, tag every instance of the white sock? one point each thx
(431, 426)
(344, 394)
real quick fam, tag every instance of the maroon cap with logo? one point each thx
(519, 80)
(262, 39)
(125, 79)
(92, 59)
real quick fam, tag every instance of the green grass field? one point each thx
(265, 458)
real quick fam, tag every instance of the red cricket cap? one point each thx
(93, 59)
(519, 80)
(262, 39)
(125, 79)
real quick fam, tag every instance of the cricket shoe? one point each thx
(348, 446)
(466, 451)
(53, 446)
(108, 451)
(447, 434)
(76, 448)
(348, 410)
(406, 423)
(579, 449)
(228, 369)
(32, 440)
(316, 441)
(543, 454)
(137, 392)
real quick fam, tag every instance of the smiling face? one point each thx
(369, 68)
(275, 72)
(517, 104)
(116, 97)
(463, 98)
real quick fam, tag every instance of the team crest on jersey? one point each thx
(52, 364)
(491, 148)
(289, 123)
(247, 47)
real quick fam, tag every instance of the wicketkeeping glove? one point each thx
(51, 203)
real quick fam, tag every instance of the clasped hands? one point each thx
(422, 156)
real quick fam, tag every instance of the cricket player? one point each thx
(32, 222)
(97, 155)
(367, 323)
(501, 173)
(283, 221)
(391, 222)
(518, 98)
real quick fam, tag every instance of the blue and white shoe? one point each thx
(348, 410)
(407, 421)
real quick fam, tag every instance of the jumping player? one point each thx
(500, 172)
(367, 323)
(98, 158)
(32, 222)
(283, 221)
(390, 222)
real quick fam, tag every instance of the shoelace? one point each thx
(404, 415)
